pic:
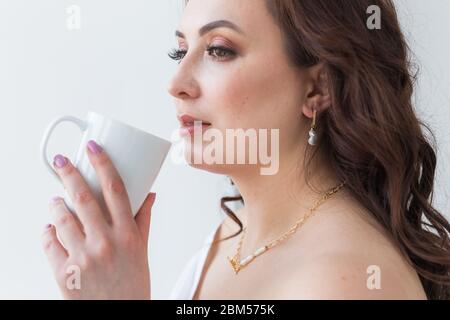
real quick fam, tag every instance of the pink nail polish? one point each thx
(55, 199)
(59, 161)
(94, 147)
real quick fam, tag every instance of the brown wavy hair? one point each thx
(371, 133)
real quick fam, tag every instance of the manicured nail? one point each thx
(47, 226)
(94, 147)
(60, 161)
(55, 200)
(153, 196)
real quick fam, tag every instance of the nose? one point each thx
(183, 85)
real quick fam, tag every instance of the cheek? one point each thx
(228, 98)
(257, 96)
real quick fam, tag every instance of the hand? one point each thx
(103, 255)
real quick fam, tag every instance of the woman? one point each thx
(338, 92)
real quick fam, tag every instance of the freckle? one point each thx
(343, 278)
(245, 101)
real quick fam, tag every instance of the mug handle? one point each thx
(43, 149)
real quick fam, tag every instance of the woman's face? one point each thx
(236, 74)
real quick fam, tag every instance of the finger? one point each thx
(66, 225)
(55, 252)
(113, 187)
(85, 204)
(143, 216)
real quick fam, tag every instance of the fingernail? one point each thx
(94, 147)
(59, 161)
(47, 226)
(55, 200)
(153, 194)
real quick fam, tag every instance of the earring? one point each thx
(312, 133)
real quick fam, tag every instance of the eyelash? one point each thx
(178, 54)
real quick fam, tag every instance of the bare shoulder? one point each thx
(352, 277)
(346, 255)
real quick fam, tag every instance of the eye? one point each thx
(220, 53)
(177, 54)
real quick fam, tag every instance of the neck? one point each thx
(274, 203)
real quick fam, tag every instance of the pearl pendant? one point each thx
(312, 137)
(238, 265)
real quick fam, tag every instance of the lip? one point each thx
(187, 120)
(188, 123)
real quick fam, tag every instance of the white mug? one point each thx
(136, 154)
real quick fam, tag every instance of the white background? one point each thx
(117, 64)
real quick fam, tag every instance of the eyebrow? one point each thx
(211, 26)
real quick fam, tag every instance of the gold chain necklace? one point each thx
(238, 264)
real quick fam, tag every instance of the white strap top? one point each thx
(188, 280)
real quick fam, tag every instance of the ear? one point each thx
(318, 91)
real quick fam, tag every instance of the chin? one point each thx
(222, 169)
(194, 156)
(213, 168)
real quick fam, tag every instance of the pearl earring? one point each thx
(312, 133)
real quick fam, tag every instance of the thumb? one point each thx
(143, 216)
